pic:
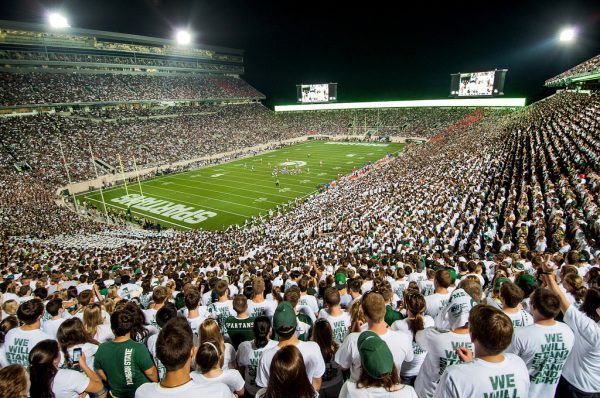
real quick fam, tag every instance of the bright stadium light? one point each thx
(58, 21)
(567, 35)
(183, 37)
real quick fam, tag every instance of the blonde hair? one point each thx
(357, 316)
(92, 318)
(209, 329)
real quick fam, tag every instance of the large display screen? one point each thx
(317, 93)
(478, 84)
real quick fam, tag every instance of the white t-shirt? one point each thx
(520, 318)
(188, 390)
(18, 343)
(104, 333)
(51, 326)
(426, 287)
(151, 344)
(545, 350)
(348, 356)
(441, 353)
(69, 383)
(350, 390)
(582, 369)
(230, 377)
(310, 301)
(410, 369)
(150, 315)
(340, 324)
(222, 311)
(479, 378)
(311, 352)
(266, 308)
(248, 356)
(435, 302)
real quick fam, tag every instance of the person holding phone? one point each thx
(48, 380)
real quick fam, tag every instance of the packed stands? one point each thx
(584, 69)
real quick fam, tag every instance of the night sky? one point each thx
(375, 50)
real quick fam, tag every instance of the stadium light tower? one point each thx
(58, 21)
(183, 37)
(567, 35)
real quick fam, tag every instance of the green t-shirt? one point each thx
(391, 315)
(124, 365)
(239, 330)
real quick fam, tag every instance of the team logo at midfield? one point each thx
(298, 163)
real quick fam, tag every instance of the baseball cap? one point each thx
(456, 313)
(375, 356)
(340, 280)
(284, 317)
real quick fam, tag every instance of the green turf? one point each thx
(231, 192)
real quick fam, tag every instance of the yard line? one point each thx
(226, 192)
(207, 197)
(236, 187)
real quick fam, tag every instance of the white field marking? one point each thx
(260, 200)
(350, 155)
(166, 183)
(241, 179)
(371, 153)
(217, 175)
(304, 181)
(284, 190)
(221, 184)
(203, 205)
(336, 168)
(142, 214)
(299, 163)
(350, 162)
(220, 200)
(356, 144)
(322, 174)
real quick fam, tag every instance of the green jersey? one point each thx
(124, 365)
(239, 330)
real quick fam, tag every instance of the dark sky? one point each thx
(375, 50)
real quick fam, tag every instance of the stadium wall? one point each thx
(441, 103)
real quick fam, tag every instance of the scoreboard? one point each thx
(478, 84)
(316, 93)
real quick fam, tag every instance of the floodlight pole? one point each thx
(98, 177)
(137, 172)
(62, 153)
(123, 175)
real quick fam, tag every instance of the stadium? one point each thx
(168, 232)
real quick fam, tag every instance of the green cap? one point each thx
(375, 356)
(520, 266)
(499, 282)
(525, 280)
(452, 272)
(284, 317)
(340, 280)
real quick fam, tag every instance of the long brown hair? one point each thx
(323, 336)
(415, 303)
(287, 369)
(42, 369)
(70, 333)
(387, 381)
(14, 382)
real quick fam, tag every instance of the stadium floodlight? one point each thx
(183, 37)
(567, 35)
(58, 21)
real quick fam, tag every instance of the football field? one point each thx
(216, 197)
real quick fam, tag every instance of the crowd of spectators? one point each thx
(45, 88)
(501, 211)
(590, 66)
